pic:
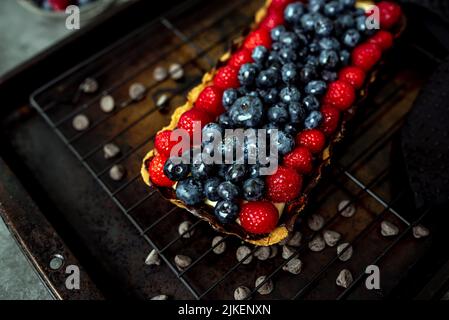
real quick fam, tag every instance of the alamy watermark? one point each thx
(73, 20)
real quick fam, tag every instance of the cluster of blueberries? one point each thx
(280, 90)
(55, 5)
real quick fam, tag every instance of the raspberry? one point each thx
(279, 5)
(259, 217)
(163, 144)
(209, 101)
(353, 75)
(156, 171)
(259, 37)
(299, 159)
(390, 13)
(331, 119)
(240, 58)
(313, 139)
(227, 78)
(273, 19)
(188, 118)
(383, 39)
(366, 56)
(340, 94)
(283, 186)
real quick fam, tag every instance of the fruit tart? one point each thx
(293, 81)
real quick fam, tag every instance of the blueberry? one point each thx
(254, 94)
(345, 21)
(267, 78)
(311, 103)
(312, 61)
(308, 21)
(221, 170)
(316, 87)
(276, 32)
(329, 43)
(293, 13)
(289, 39)
(314, 47)
(290, 94)
(270, 96)
(333, 9)
(247, 74)
(323, 26)
(201, 170)
(259, 55)
(225, 121)
(296, 112)
(308, 73)
(226, 211)
(348, 3)
(351, 38)
(360, 23)
(329, 59)
(301, 36)
(190, 191)
(287, 55)
(254, 171)
(313, 120)
(273, 58)
(176, 170)
(289, 73)
(212, 130)
(345, 57)
(316, 5)
(253, 189)
(278, 114)
(285, 143)
(246, 112)
(270, 127)
(236, 173)
(229, 97)
(211, 188)
(291, 129)
(329, 76)
(228, 191)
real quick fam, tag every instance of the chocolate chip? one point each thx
(331, 237)
(317, 244)
(137, 91)
(153, 259)
(117, 172)
(262, 253)
(315, 222)
(347, 254)
(183, 229)
(160, 297)
(110, 151)
(220, 248)
(346, 208)
(89, 85)
(161, 102)
(420, 231)
(242, 253)
(344, 278)
(274, 249)
(160, 73)
(176, 71)
(294, 266)
(266, 288)
(287, 252)
(80, 122)
(107, 104)
(182, 261)
(388, 229)
(241, 293)
(295, 240)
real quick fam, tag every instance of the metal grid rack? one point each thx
(364, 175)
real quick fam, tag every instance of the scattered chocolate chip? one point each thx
(294, 266)
(344, 279)
(182, 261)
(242, 253)
(273, 251)
(183, 229)
(315, 222)
(420, 231)
(331, 237)
(80, 122)
(347, 254)
(220, 248)
(137, 91)
(284, 241)
(107, 104)
(160, 73)
(241, 293)
(266, 288)
(388, 229)
(295, 240)
(160, 297)
(161, 102)
(287, 252)
(110, 151)
(317, 244)
(117, 172)
(262, 253)
(89, 85)
(153, 259)
(176, 71)
(346, 208)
